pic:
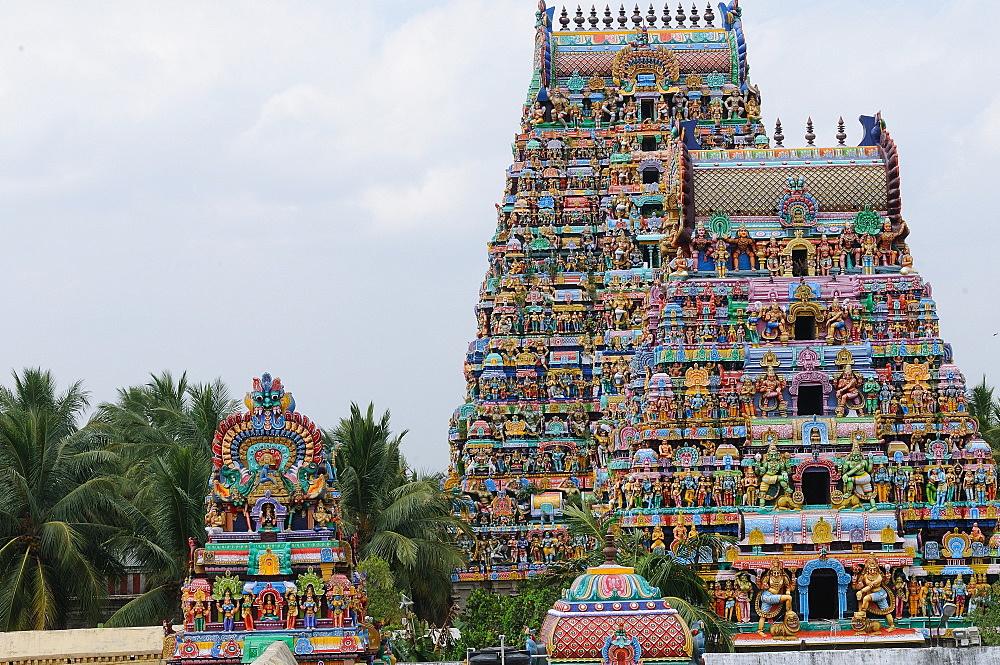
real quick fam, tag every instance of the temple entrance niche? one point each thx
(798, 256)
(830, 589)
(800, 263)
(810, 387)
(805, 327)
(811, 401)
(823, 591)
(816, 486)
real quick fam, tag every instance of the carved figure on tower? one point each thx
(874, 596)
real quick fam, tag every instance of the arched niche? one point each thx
(843, 579)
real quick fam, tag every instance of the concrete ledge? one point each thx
(95, 645)
(888, 656)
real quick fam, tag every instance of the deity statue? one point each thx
(228, 607)
(773, 470)
(836, 323)
(775, 323)
(874, 595)
(775, 596)
(744, 246)
(770, 386)
(847, 386)
(856, 473)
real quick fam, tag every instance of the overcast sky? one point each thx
(307, 188)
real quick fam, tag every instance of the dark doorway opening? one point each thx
(648, 143)
(816, 487)
(650, 176)
(824, 596)
(805, 327)
(810, 401)
(646, 109)
(800, 263)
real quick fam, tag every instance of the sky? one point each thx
(307, 188)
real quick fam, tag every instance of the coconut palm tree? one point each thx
(986, 408)
(395, 514)
(160, 435)
(58, 508)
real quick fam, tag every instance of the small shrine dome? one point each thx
(612, 614)
(480, 429)
(660, 385)
(979, 445)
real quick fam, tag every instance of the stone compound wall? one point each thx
(91, 645)
(930, 656)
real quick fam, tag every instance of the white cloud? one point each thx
(161, 162)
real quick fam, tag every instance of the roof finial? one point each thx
(709, 16)
(680, 16)
(695, 17)
(666, 15)
(578, 19)
(778, 136)
(810, 136)
(636, 18)
(610, 551)
(608, 21)
(564, 19)
(841, 134)
(592, 19)
(651, 16)
(622, 19)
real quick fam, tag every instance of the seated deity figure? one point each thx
(773, 471)
(857, 475)
(744, 246)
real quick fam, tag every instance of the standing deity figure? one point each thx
(776, 587)
(229, 608)
(873, 596)
(771, 255)
(743, 589)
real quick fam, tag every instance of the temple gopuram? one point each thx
(689, 326)
(275, 566)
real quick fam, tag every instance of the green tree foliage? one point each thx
(159, 436)
(487, 615)
(986, 408)
(987, 615)
(395, 515)
(383, 596)
(59, 511)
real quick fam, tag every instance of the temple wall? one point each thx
(932, 656)
(90, 645)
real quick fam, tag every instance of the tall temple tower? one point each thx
(693, 328)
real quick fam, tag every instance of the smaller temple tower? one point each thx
(275, 566)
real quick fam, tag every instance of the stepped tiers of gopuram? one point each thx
(694, 328)
(275, 567)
